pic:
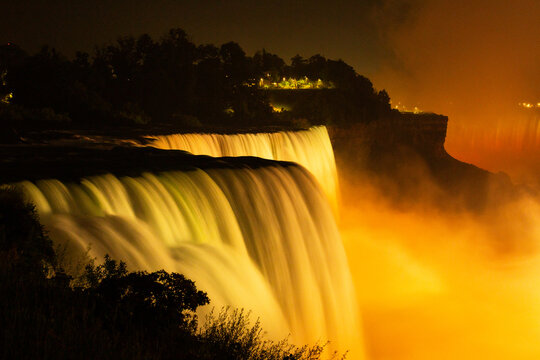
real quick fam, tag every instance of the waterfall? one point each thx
(262, 238)
(310, 148)
(508, 142)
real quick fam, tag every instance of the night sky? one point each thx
(341, 29)
(445, 56)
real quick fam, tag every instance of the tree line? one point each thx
(171, 80)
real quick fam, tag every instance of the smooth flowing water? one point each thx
(310, 148)
(262, 239)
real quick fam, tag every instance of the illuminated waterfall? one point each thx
(516, 132)
(506, 142)
(310, 148)
(263, 239)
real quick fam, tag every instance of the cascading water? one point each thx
(263, 239)
(508, 142)
(310, 148)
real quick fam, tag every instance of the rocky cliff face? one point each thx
(424, 133)
(405, 156)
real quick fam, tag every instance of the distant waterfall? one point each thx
(263, 239)
(310, 148)
(508, 142)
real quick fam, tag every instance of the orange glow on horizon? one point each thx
(474, 62)
(434, 285)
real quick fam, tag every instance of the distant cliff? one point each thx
(424, 133)
(405, 156)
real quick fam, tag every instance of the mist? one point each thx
(430, 279)
(474, 61)
(457, 283)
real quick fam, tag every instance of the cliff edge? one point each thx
(405, 158)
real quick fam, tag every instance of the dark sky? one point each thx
(434, 53)
(337, 29)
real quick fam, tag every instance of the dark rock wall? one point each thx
(424, 133)
(405, 157)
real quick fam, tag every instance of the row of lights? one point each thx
(529, 105)
(404, 108)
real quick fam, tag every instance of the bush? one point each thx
(230, 335)
(25, 249)
(109, 312)
(154, 300)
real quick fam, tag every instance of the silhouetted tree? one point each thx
(171, 80)
(298, 67)
(316, 68)
(109, 312)
(24, 247)
(265, 63)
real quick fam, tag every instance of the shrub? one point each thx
(109, 312)
(154, 300)
(24, 246)
(230, 335)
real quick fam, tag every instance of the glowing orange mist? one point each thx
(431, 286)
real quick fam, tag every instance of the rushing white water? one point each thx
(263, 239)
(310, 148)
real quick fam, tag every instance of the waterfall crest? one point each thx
(263, 239)
(310, 148)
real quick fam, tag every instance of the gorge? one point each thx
(294, 191)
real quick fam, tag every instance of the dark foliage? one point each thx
(154, 300)
(231, 335)
(137, 81)
(108, 312)
(24, 248)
